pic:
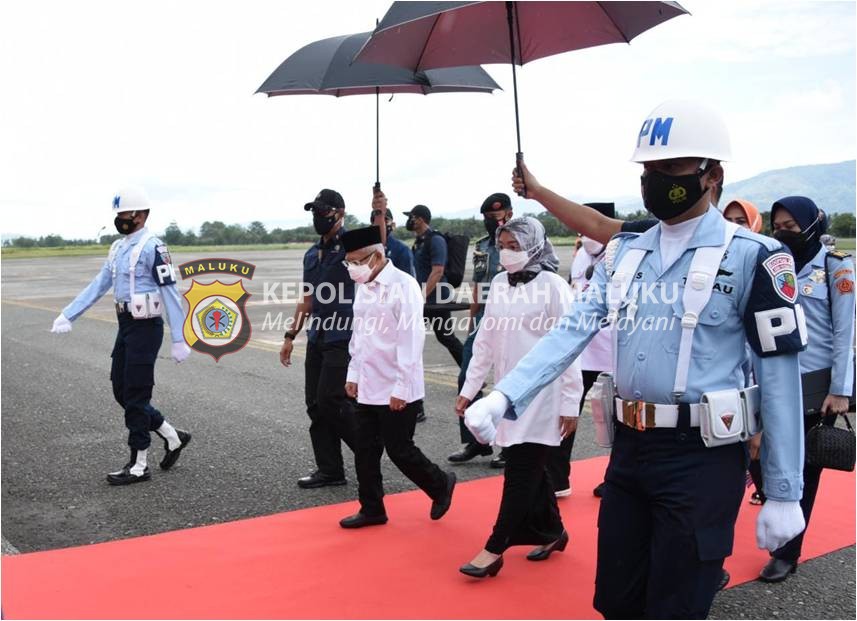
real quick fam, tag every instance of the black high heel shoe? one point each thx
(480, 572)
(544, 553)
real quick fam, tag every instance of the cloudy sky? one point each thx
(97, 94)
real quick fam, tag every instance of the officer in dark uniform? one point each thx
(139, 270)
(326, 303)
(495, 210)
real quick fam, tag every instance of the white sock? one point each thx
(139, 466)
(170, 435)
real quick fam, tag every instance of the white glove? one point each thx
(778, 523)
(61, 325)
(180, 351)
(482, 417)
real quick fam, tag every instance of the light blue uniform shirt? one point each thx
(145, 280)
(831, 335)
(647, 358)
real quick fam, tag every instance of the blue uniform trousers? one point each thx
(666, 523)
(133, 375)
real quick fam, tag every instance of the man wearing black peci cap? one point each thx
(495, 210)
(327, 299)
(430, 253)
(385, 376)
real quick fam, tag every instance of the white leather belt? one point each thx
(641, 415)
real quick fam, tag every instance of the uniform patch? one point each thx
(845, 286)
(818, 276)
(781, 269)
(806, 289)
(165, 254)
(843, 272)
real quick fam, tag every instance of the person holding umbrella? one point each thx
(673, 486)
(331, 414)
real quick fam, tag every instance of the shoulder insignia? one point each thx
(838, 254)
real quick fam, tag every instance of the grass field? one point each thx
(95, 250)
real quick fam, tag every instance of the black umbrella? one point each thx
(325, 68)
(428, 35)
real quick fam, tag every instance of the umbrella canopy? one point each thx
(325, 68)
(428, 35)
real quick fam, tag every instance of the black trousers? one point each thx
(330, 411)
(666, 523)
(132, 374)
(443, 325)
(380, 428)
(811, 479)
(559, 461)
(528, 511)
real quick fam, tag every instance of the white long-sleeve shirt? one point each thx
(514, 321)
(387, 339)
(598, 355)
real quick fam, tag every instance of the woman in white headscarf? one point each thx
(524, 303)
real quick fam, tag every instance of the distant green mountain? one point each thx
(831, 186)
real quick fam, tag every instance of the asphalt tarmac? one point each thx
(62, 431)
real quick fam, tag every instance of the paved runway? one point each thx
(62, 432)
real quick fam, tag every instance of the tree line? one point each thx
(217, 233)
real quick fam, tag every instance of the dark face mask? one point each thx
(669, 196)
(323, 223)
(491, 226)
(410, 224)
(125, 226)
(797, 242)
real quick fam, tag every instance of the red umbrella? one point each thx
(429, 35)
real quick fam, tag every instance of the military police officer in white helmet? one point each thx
(140, 271)
(683, 298)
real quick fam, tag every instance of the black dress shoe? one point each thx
(359, 520)
(469, 452)
(172, 457)
(777, 570)
(440, 507)
(480, 572)
(598, 492)
(724, 579)
(317, 479)
(544, 553)
(124, 476)
(499, 462)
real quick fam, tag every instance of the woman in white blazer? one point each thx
(524, 303)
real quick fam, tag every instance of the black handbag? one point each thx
(831, 447)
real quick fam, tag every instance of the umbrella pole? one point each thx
(377, 139)
(519, 156)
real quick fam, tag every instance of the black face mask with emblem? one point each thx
(125, 226)
(669, 196)
(491, 226)
(323, 224)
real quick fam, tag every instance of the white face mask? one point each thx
(360, 273)
(591, 246)
(514, 260)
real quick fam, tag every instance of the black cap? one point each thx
(356, 239)
(496, 202)
(327, 198)
(607, 209)
(420, 211)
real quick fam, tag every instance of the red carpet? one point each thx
(302, 565)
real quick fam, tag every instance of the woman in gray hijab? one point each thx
(524, 303)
